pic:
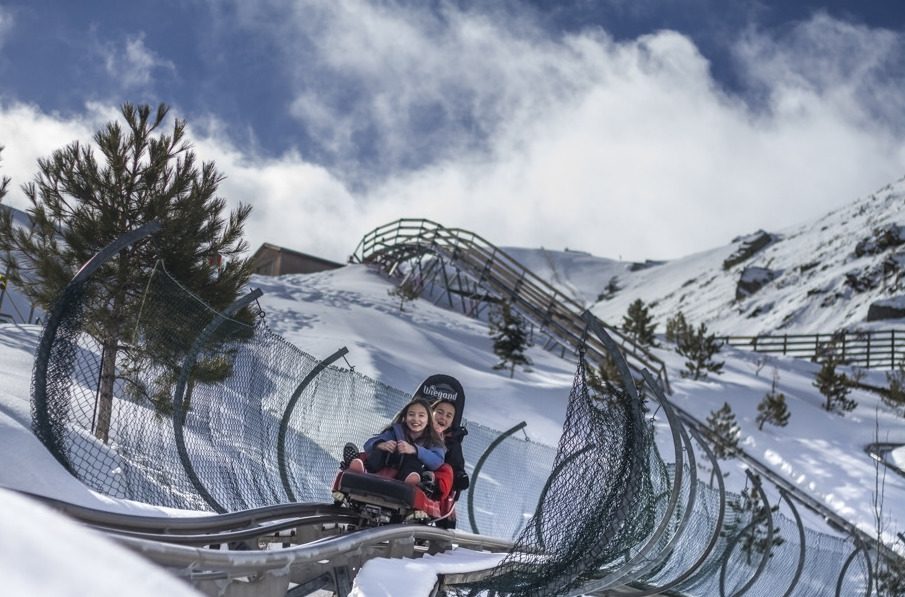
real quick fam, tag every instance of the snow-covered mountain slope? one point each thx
(820, 277)
(822, 453)
(819, 452)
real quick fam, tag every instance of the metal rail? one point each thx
(331, 560)
(484, 273)
(325, 554)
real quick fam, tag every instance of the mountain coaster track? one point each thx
(482, 273)
(314, 545)
(319, 552)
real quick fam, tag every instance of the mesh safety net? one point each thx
(217, 412)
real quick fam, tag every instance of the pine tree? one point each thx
(510, 338)
(723, 433)
(891, 577)
(4, 181)
(834, 386)
(80, 204)
(895, 395)
(699, 347)
(606, 378)
(677, 327)
(772, 409)
(405, 292)
(637, 324)
(750, 520)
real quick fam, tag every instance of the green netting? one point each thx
(613, 516)
(598, 505)
(271, 431)
(223, 415)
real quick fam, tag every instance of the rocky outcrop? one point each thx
(891, 308)
(752, 280)
(891, 235)
(750, 245)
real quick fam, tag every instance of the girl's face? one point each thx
(443, 416)
(416, 419)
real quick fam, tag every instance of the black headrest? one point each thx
(443, 387)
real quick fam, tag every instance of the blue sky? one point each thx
(634, 129)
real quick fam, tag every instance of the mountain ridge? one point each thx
(822, 276)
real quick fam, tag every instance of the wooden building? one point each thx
(271, 260)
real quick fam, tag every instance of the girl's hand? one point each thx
(405, 448)
(389, 446)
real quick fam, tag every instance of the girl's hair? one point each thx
(443, 401)
(429, 437)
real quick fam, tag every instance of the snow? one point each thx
(45, 553)
(821, 453)
(381, 578)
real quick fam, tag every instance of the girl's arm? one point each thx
(431, 458)
(384, 436)
(454, 456)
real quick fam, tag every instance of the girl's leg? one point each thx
(444, 479)
(376, 460)
(410, 464)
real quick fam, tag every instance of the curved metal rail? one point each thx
(492, 275)
(319, 562)
(188, 546)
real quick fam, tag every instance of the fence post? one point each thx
(867, 366)
(845, 347)
(785, 343)
(892, 349)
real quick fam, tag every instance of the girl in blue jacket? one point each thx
(410, 444)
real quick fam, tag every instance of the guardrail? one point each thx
(499, 276)
(870, 350)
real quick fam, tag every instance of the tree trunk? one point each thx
(105, 396)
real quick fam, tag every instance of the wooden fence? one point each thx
(870, 350)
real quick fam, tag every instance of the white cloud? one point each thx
(622, 149)
(627, 149)
(297, 205)
(131, 65)
(856, 70)
(28, 134)
(6, 23)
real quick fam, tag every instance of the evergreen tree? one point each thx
(834, 386)
(895, 396)
(891, 577)
(637, 324)
(606, 378)
(677, 327)
(4, 181)
(405, 292)
(80, 204)
(699, 347)
(510, 338)
(750, 520)
(772, 409)
(723, 433)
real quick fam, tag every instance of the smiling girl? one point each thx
(410, 444)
